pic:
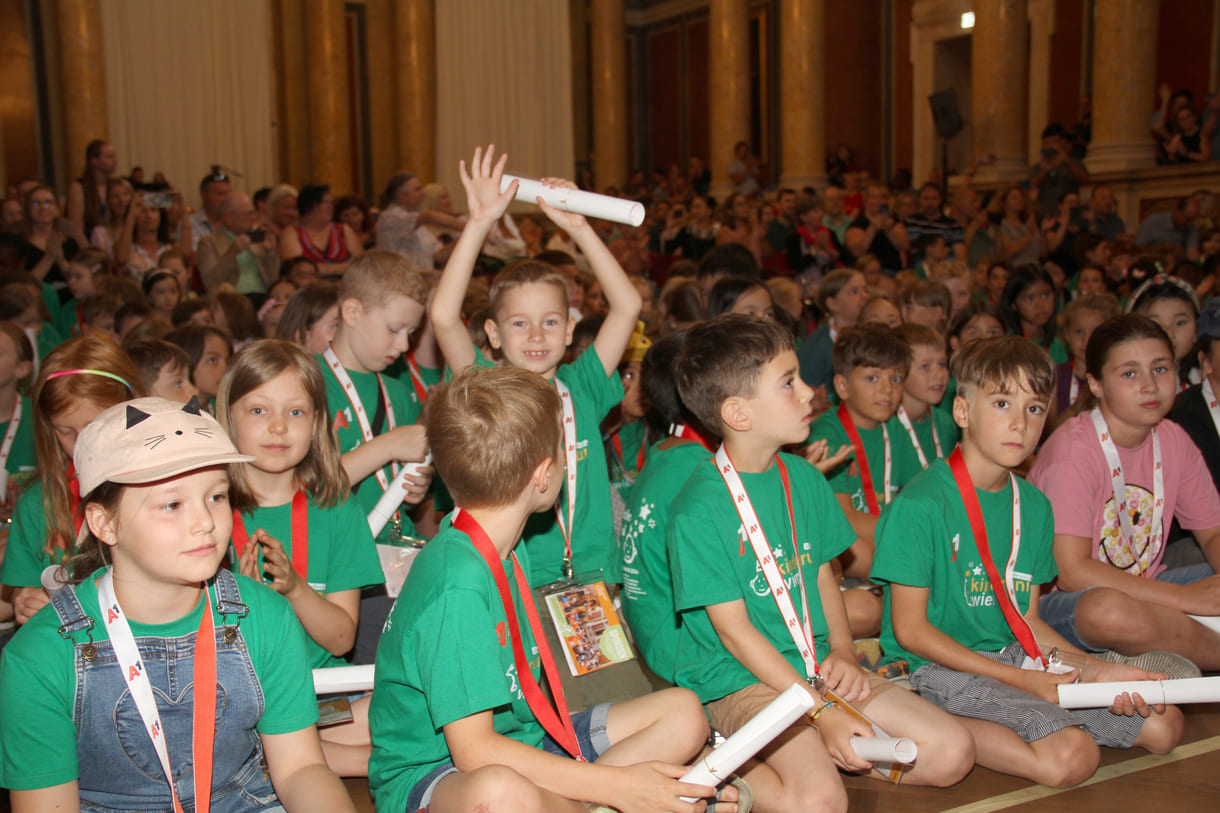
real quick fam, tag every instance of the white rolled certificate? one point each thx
(54, 579)
(1101, 695)
(885, 749)
(751, 738)
(1212, 622)
(577, 201)
(393, 496)
(337, 679)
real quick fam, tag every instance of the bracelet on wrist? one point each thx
(816, 713)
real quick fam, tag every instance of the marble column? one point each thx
(82, 77)
(609, 93)
(380, 46)
(729, 91)
(292, 102)
(415, 65)
(999, 97)
(1124, 84)
(330, 113)
(802, 76)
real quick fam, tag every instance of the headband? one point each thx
(102, 373)
(1159, 279)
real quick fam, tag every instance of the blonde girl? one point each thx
(295, 526)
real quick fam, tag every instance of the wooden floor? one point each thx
(1186, 780)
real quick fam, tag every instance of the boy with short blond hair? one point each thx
(531, 327)
(930, 430)
(486, 734)
(752, 537)
(381, 303)
(967, 624)
(871, 363)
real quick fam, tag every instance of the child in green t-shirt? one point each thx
(296, 526)
(871, 363)
(531, 328)
(459, 719)
(930, 430)
(973, 637)
(752, 538)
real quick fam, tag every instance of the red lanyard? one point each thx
(866, 476)
(679, 430)
(417, 377)
(974, 512)
(300, 534)
(555, 720)
(617, 443)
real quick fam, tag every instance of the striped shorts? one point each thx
(1032, 718)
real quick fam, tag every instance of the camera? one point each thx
(158, 200)
(257, 235)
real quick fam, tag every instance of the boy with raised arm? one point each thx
(964, 549)
(531, 327)
(459, 719)
(751, 539)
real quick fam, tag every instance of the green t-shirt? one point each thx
(26, 556)
(632, 438)
(845, 478)
(946, 429)
(444, 655)
(48, 339)
(67, 322)
(21, 457)
(50, 298)
(38, 681)
(594, 394)
(648, 592)
(346, 425)
(924, 540)
(342, 555)
(712, 562)
(1058, 351)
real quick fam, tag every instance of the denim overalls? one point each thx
(118, 767)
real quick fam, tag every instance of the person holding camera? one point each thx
(1057, 173)
(238, 253)
(878, 232)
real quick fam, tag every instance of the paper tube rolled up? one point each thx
(54, 579)
(1212, 622)
(751, 738)
(577, 201)
(338, 679)
(393, 496)
(885, 749)
(1154, 692)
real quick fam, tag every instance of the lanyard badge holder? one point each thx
(801, 630)
(583, 615)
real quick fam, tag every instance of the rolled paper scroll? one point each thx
(751, 738)
(54, 579)
(393, 496)
(1212, 622)
(885, 749)
(339, 679)
(1154, 692)
(577, 201)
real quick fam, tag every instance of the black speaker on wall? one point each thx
(945, 113)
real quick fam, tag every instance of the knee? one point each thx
(1108, 615)
(951, 756)
(686, 717)
(864, 614)
(1162, 732)
(496, 787)
(1073, 756)
(816, 800)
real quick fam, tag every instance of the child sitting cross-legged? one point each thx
(871, 362)
(973, 638)
(458, 717)
(752, 536)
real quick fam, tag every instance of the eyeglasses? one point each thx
(42, 204)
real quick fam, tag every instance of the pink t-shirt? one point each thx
(1072, 471)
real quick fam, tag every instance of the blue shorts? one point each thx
(590, 726)
(1058, 609)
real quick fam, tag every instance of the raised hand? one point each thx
(482, 182)
(568, 221)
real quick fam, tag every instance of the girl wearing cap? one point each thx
(159, 664)
(78, 380)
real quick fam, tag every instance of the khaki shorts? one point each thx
(733, 711)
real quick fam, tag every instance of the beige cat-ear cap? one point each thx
(149, 439)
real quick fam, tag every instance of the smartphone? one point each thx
(1049, 153)
(158, 200)
(257, 235)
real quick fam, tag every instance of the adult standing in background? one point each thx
(1057, 173)
(233, 255)
(400, 219)
(331, 246)
(743, 171)
(213, 189)
(281, 208)
(86, 206)
(876, 231)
